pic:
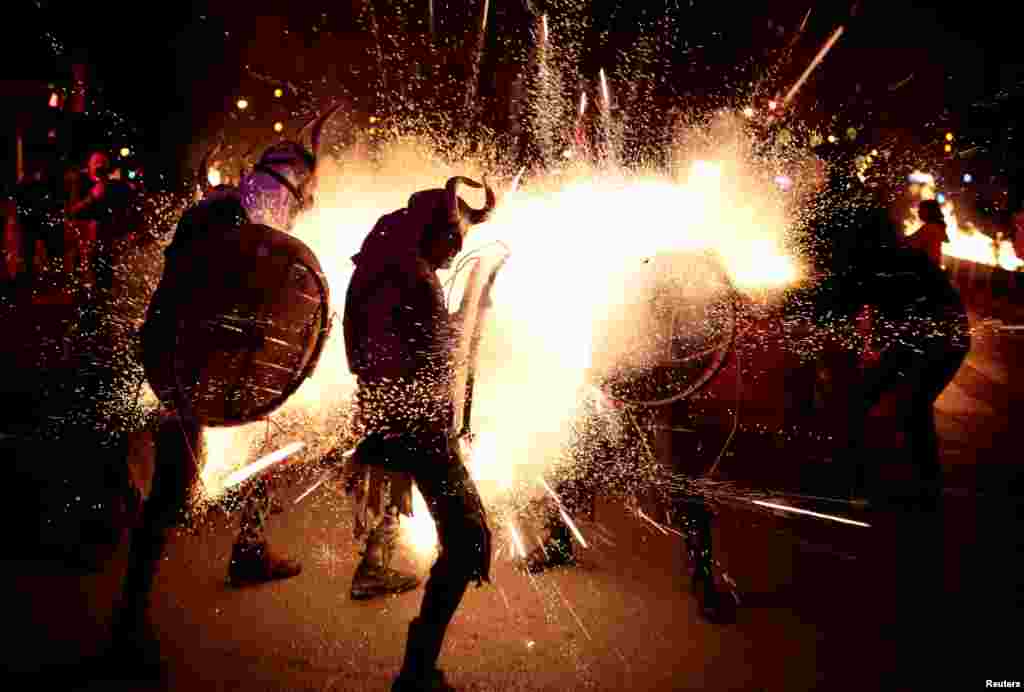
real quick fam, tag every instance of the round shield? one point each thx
(673, 335)
(243, 319)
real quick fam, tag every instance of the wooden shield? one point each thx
(245, 317)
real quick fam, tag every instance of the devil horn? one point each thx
(473, 216)
(318, 127)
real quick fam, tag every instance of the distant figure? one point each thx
(40, 216)
(920, 333)
(930, 237)
(109, 205)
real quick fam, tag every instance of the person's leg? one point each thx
(465, 556)
(253, 561)
(936, 368)
(374, 576)
(888, 373)
(177, 448)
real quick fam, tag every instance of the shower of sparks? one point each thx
(814, 63)
(514, 186)
(572, 611)
(517, 540)
(807, 512)
(565, 515)
(572, 527)
(329, 473)
(262, 463)
(572, 268)
(661, 527)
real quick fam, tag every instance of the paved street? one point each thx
(819, 599)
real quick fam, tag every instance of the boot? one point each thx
(256, 563)
(374, 576)
(419, 668)
(556, 551)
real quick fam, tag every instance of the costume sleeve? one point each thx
(79, 201)
(383, 347)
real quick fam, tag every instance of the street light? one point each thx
(242, 104)
(278, 93)
(278, 126)
(125, 152)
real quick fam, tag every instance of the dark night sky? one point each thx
(167, 69)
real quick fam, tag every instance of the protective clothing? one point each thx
(398, 339)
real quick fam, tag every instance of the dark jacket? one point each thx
(915, 303)
(398, 333)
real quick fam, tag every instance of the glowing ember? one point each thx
(517, 540)
(807, 512)
(262, 463)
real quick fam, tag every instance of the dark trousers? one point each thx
(462, 531)
(178, 457)
(464, 536)
(926, 373)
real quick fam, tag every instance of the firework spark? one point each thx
(262, 464)
(807, 512)
(814, 63)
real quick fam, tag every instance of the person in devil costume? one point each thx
(399, 342)
(273, 193)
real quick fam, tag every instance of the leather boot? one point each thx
(256, 563)
(419, 668)
(374, 576)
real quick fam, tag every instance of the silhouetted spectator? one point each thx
(930, 237)
(110, 207)
(39, 200)
(920, 333)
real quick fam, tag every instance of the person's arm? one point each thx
(81, 201)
